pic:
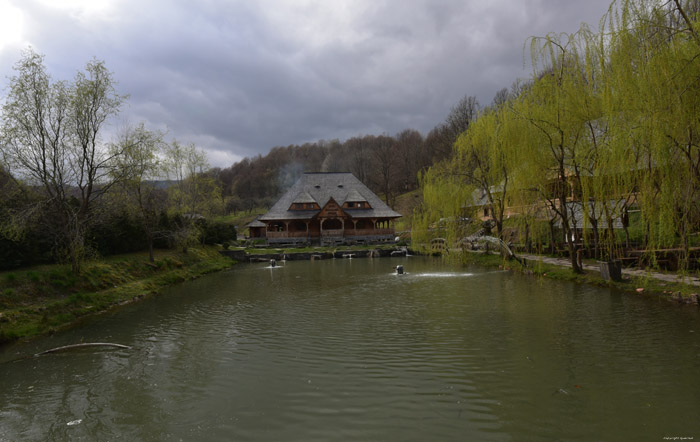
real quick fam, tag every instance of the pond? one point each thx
(345, 349)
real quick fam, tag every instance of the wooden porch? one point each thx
(335, 232)
(333, 236)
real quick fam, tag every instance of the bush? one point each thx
(34, 247)
(218, 232)
(117, 234)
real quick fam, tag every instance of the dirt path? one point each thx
(692, 280)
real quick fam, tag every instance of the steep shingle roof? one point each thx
(255, 223)
(304, 197)
(355, 196)
(324, 186)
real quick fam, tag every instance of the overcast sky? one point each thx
(237, 77)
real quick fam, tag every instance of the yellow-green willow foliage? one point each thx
(553, 150)
(444, 197)
(610, 121)
(654, 101)
(481, 161)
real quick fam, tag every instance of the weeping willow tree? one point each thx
(444, 197)
(553, 148)
(654, 101)
(477, 170)
(480, 160)
(610, 121)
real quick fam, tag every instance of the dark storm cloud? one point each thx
(240, 77)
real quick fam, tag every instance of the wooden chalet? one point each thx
(328, 209)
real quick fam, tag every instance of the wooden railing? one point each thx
(334, 232)
(369, 232)
(287, 234)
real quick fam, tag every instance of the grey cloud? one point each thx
(233, 76)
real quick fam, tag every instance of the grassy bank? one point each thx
(44, 299)
(649, 286)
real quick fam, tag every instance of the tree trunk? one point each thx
(527, 238)
(685, 250)
(596, 239)
(499, 229)
(149, 239)
(552, 240)
(573, 253)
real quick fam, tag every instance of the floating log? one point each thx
(85, 344)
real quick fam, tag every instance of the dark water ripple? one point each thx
(346, 350)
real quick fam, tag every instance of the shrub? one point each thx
(218, 232)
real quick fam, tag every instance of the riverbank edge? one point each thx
(22, 323)
(673, 292)
(321, 253)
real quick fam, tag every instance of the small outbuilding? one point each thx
(256, 229)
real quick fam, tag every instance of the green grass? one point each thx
(240, 219)
(651, 286)
(44, 299)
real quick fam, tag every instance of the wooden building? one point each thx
(256, 228)
(329, 209)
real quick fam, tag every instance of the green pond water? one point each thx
(345, 350)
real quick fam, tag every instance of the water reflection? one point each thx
(348, 350)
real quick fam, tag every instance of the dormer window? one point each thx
(304, 206)
(356, 205)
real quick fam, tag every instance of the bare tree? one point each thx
(501, 97)
(441, 139)
(462, 115)
(409, 146)
(359, 153)
(384, 153)
(51, 138)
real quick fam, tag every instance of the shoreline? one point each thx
(336, 253)
(45, 316)
(35, 317)
(635, 281)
